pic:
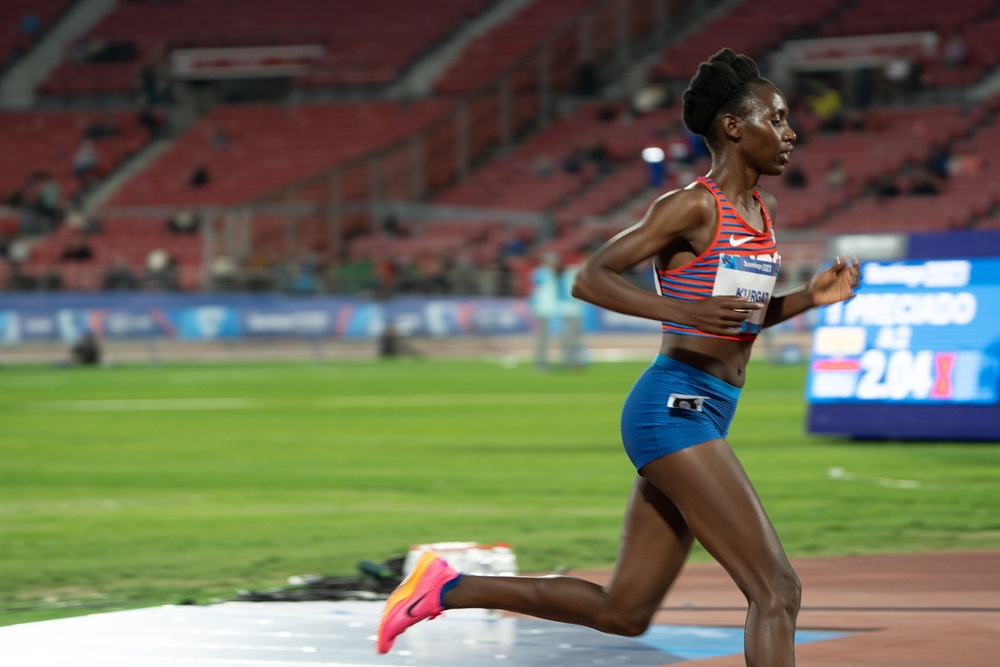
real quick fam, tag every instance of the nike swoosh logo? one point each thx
(409, 610)
(736, 242)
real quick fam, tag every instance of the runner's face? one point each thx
(768, 137)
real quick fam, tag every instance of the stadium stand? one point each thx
(575, 165)
(23, 22)
(47, 141)
(364, 43)
(249, 150)
(752, 28)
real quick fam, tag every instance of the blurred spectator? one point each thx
(222, 274)
(161, 270)
(31, 27)
(184, 222)
(393, 227)
(795, 177)
(571, 311)
(544, 304)
(305, 273)
(151, 119)
(86, 351)
(76, 250)
(938, 159)
(835, 178)
(100, 129)
(920, 181)
(902, 76)
(828, 106)
(219, 139)
(464, 275)
(85, 162)
(542, 165)
(119, 276)
(200, 176)
(76, 219)
(885, 186)
(391, 344)
(587, 83)
(955, 51)
(652, 96)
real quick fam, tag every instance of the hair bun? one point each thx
(717, 80)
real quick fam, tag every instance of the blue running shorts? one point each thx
(673, 406)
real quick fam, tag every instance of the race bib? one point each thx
(747, 277)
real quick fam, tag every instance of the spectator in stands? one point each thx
(200, 176)
(919, 181)
(902, 76)
(219, 139)
(835, 178)
(119, 276)
(306, 270)
(828, 106)
(101, 129)
(464, 275)
(885, 185)
(77, 220)
(184, 221)
(542, 166)
(393, 227)
(76, 250)
(587, 83)
(955, 52)
(31, 27)
(939, 159)
(795, 177)
(85, 162)
(151, 119)
(161, 270)
(223, 274)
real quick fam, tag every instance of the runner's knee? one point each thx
(781, 594)
(627, 623)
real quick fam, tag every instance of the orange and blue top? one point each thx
(740, 261)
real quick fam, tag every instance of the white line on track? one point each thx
(142, 405)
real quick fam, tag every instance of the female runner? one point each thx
(714, 253)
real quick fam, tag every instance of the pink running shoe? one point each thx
(417, 598)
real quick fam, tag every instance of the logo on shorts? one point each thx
(684, 402)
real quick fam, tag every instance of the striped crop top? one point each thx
(740, 261)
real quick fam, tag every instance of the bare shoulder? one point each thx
(770, 202)
(683, 209)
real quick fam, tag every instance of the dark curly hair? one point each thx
(723, 84)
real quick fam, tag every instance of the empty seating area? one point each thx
(872, 17)
(486, 57)
(969, 194)
(23, 22)
(568, 159)
(48, 141)
(365, 43)
(249, 150)
(750, 28)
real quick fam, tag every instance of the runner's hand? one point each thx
(718, 315)
(835, 283)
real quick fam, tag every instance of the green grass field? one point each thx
(145, 485)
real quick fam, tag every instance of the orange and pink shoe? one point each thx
(419, 597)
